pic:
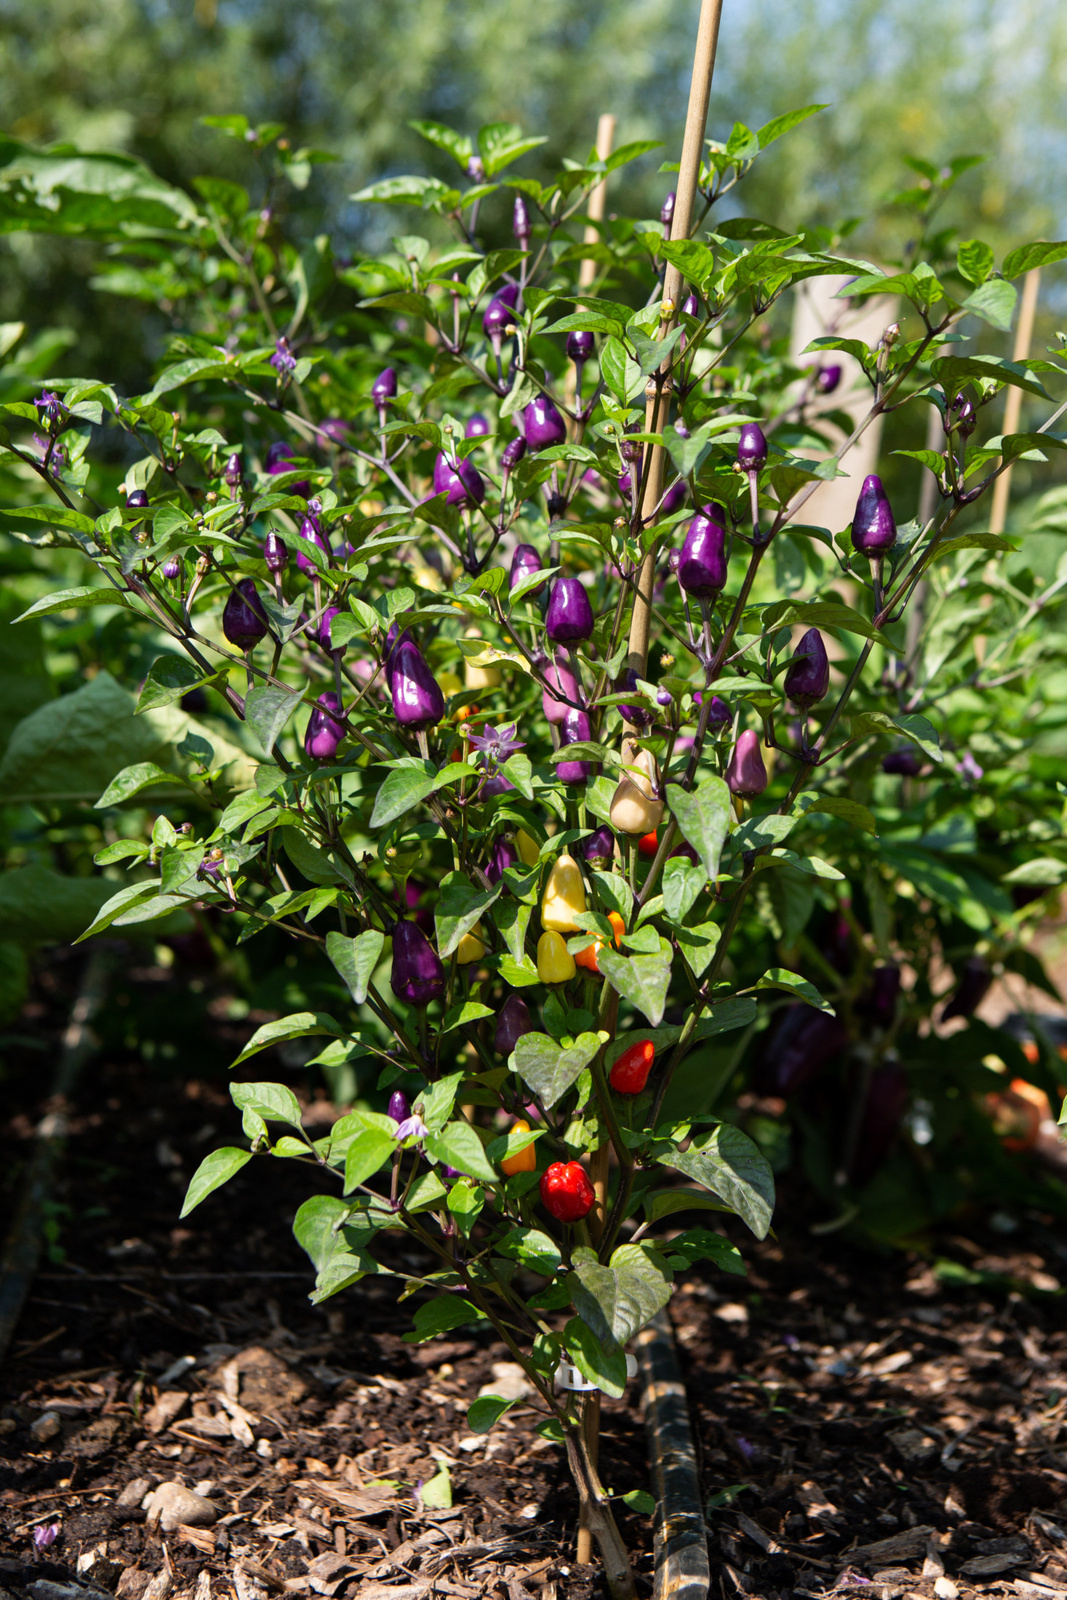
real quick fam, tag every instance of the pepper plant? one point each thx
(496, 566)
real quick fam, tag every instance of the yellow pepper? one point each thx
(634, 807)
(555, 964)
(470, 947)
(449, 684)
(529, 849)
(481, 677)
(524, 1160)
(564, 896)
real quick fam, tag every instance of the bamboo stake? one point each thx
(605, 138)
(657, 394)
(1013, 405)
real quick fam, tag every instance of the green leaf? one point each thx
(782, 978)
(441, 1316)
(458, 1145)
(547, 1068)
(682, 884)
(994, 302)
(785, 124)
(665, 1202)
(355, 959)
(851, 811)
(368, 1150)
(268, 709)
(916, 729)
(335, 1236)
(532, 1249)
(71, 748)
(437, 1494)
(484, 1413)
(457, 145)
(518, 974)
(827, 614)
(727, 1162)
(600, 1361)
(215, 1170)
(704, 819)
(617, 1300)
(271, 1101)
(131, 780)
(698, 945)
(74, 599)
(975, 260)
(169, 677)
(458, 909)
(298, 1025)
(402, 790)
(726, 1015)
(641, 1501)
(953, 371)
(1029, 256)
(641, 979)
(501, 143)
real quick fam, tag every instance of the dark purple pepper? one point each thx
(244, 621)
(574, 729)
(524, 563)
(828, 378)
(494, 786)
(580, 345)
(462, 483)
(172, 568)
(664, 697)
(746, 775)
(637, 716)
(512, 1024)
(718, 711)
(384, 388)
(569, 618)
(477, 427)
(800, 1042)
(625, 485)
(232, 474)
(975, 979)
(542, 424)
(275, 552)
(903, 763)
(513, 453)
(873, 527)
(136, 499)
(500, 312)
(808, 676)
(520, 222)
(417, 975)
(599, 848)
(752, 448)
(417, 698)
(451, 1175)
(666, 214)
(325, 625)
(326, 727)
(310, 534)
(887, 1099)
(702, 566)
(399, 1107)
(690, 308)
(396, 636)
(674, 499)
(336, 429)
(504, 855)
(879, 1002)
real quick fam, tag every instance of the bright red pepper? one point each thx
(648, 844)
(630, 1073)
(566, 1192)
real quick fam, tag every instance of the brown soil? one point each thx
(840, 1399)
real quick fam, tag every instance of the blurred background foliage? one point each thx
(985, 77)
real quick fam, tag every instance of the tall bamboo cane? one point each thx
(998, 514)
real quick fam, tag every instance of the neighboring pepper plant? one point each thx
(515, 667)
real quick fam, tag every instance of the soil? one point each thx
(892, 1424)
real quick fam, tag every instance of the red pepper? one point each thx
(566, 1192)
(630, 1073)
(648, 844)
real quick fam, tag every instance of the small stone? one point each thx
(46, 1427)
(133, 1494)
(913, 1445)
(945, 1589)
(172, 1504)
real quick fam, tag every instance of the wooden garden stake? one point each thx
(1013, 404)
(605, 137)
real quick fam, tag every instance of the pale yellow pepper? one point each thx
(555, 964)
(564, 896)
(470, 947)
(529, 849)
(634, 807)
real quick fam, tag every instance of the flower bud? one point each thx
(559, 676)
(520, 222)
(625, 485)
(172, 568)
(808, 676)
(635, 808)
(417, 698)
(752, 448)
(746, 775)
(399, 1107)
(326, 727)
(569, 618)
(275, 552)
(674, 561)
(384, 388)
(136, 499)
(244, 621)
(964, 412)
(828, 378)
(873, 527)
(513, 453)
(500, 312)
(702, 566)
(417, 975)
(666, 213)
(542, 424)
(638, 716)
(664, 697)
(599, 848)
(580, 345)
(575, 729)
(524, 563)
(477, 427)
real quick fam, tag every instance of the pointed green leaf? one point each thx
(355, 959)
(267, 710)
(215, 1170)
(704, 818)
(458, 1145)
(641, 979)
(782, 978)
(271, 1101)
(726, 1161)
(548, 1069)
(617, 1300)
(600, 1362)
(298, 1025)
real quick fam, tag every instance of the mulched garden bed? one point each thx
(864, 1423)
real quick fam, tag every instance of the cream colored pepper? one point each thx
(634, 807)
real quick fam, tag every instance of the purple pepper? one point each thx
(746, 775)
(336, 429)
(477, 427)
(638, 716)
(542, 424)
(558, 676)
(903, 763)
(323, 635)
(500, 312)
(462, 483)
(232, 472)
(172, 568)
(136, 500)
(494, 786)
(417, 698)
(873, 527)
(513, 453)
(966, 416)
(666, 214)
(569, 618)
(504, 856)
(718, 711)
(975, 979)
(752, 448)
(244, 621)
(311, 534)
(520, 222)
(280, 459)
(599, 848)
(396, 636)
(664, 697)
(674, 499)
(887, 1099)
(275, 552)
(326, 727)
(878, 1004)
(580, 345)
(625, 484)
(451, 1175)
(524, 563)
(575, 728)
(399, 1107)
(800, 1042)
(416, 975)
(674, 561)
(808, 676)
(702, 567)
(828, 378)
(512, 1023)
(384, 388)
(690, 308)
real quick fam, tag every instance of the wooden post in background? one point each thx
(605, 137)
(1024, 333)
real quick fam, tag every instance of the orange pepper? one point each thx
(648, 844)
(524, 1160)
(587, 958)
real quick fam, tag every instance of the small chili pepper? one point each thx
(566, 1192)
(470, 947)
(564, 896)
(630, 1073)
(634, 806)
(555, 964)
(523, 1160)
(648, 844)
(528, 848)
(587, 958)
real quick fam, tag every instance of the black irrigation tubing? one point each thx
(22, 1247)
(682, 1569)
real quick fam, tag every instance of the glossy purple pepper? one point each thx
(477, 427)
(513, 453)
(542, 424)
(325, 625)
(691, 306)
(702, 568)
(500, 312)
(172, 568)
(310, 533)
(513, 1023)
(975, 979)
(136, 500)
(504, 856)
(637, 716)
(384, 388)
(752, 448)
(417, 975)
(828, 378)
(417, 698)
(599, 848)
(569, 618)
(524, 564)
(746, 775)
(244, 621)
(399, 1107)
(808, 676)
(521, 226)
(580, 345)
(666, 213)
(559, 676)
(326, 727)
(463, 483)
(574, 729)
(873, 527)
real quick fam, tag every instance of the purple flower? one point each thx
(283, 361)
(702, 568)
(477, 427)
(746, 775)
(524, 563)
(384, 388)
(476, 169)
(873, 527)
(399, 1107)
(413, 1127)
(752, 448)
(244, 621)
(599, 848)
(326, 727)
(636, 715)
(417, 698)
(43, 1537)
(542, 424)
(417, 975)
(512, 1023)
(574, 729)
(558, 676)
(500, 312)
(580, 345)
(50, 407)
(569, 618)
(514, 451)
(746, 1449)
(828, 379)
(54, 453)
(275, 552)
(496, 744)
(808, 677)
